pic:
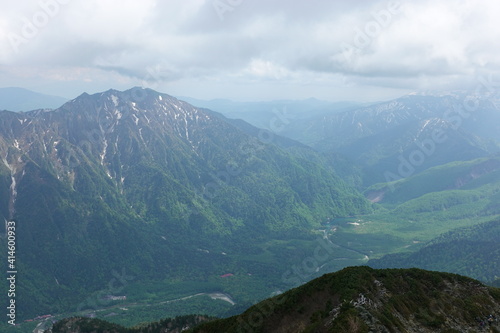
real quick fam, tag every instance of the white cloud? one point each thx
(330, 45)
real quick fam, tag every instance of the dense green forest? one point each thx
(357, 299)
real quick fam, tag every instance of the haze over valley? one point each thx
(234, 166)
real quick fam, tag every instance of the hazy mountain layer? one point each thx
(19, 99)
(402, 137)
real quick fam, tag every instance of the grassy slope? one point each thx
(421, 208)
(471, 251)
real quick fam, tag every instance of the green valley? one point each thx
(132, 209)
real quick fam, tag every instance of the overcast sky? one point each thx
(364, 50)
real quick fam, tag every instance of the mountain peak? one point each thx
(146, 179)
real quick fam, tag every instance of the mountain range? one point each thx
(20, 99)
(392, 139)
(142, 183)
(135, 205)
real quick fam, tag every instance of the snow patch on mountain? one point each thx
(114, 99)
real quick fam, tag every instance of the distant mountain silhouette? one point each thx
(20, 99)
